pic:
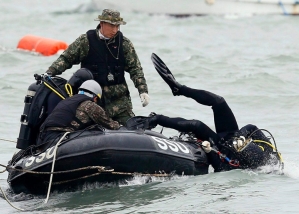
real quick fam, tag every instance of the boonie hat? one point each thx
(111, 16)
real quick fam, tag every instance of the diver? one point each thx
(76, 113)
(227, 148)
(41, 98)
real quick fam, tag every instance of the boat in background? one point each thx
(183, 8)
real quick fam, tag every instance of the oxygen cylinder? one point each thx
(25, 139)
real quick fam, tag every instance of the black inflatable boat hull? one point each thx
(123, 151)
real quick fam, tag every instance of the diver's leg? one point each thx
(201, 130)
(224, 118)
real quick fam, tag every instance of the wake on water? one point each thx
(97, 191)
(290, 169)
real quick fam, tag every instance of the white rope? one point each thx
(53, 164)
(10, 202)
(7, 198)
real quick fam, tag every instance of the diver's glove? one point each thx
(152, 121)
(144, 99)
(239, 142)
(206, 146)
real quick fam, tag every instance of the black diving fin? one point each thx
(166, 74)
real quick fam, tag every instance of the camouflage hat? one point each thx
(111, 16)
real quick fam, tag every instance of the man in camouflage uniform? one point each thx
(77, 113)
(107, 54)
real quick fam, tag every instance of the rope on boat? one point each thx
(3, 170)
(8, 140)
(51, 177)
(101, 170)
(53, 164)
(114, 173)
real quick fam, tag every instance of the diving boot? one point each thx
(166, 75)
(173, 84)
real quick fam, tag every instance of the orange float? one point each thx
(42, 45)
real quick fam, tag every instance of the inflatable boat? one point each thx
(99, 155)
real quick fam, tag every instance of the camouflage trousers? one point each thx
(123, 117)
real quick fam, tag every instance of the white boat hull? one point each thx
(203, 7)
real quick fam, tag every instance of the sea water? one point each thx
(252, 61)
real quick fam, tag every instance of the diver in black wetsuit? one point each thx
(236, 148)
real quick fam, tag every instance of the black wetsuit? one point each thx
(226, 128)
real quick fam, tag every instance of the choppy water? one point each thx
(252, 61)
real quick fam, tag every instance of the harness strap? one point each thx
(56, 92)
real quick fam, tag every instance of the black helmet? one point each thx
(79, 77)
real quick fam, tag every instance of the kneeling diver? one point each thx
(76, 113)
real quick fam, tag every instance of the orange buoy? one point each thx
(42, 45)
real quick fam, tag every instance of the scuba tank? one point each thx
(35, 109)
(24, 139)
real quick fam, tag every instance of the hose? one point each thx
(269, 144)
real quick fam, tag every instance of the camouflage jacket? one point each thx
(87, 112)
(116, 97)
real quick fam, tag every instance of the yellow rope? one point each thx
(69, 89)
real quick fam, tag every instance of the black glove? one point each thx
(152, 121)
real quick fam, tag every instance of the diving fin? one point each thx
(166, 74)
